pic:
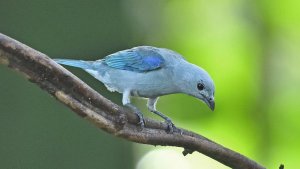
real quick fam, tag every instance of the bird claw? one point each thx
(141, 122)
(171, 127)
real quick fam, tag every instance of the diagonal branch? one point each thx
(87, 103)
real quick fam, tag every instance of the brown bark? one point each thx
(87, 103)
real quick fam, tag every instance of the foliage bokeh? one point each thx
(250, 48)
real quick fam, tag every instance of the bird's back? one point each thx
(146, 70)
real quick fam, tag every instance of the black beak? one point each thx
(211, 103)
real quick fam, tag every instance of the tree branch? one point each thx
(87, 103)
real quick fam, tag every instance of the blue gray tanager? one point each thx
(149, 72)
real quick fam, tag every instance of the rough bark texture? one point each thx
(87, 103)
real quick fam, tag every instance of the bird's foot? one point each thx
(141, 122)
(171, 127)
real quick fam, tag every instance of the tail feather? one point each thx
(75, 63)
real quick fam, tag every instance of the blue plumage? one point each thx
(149, 72)
(135, 59)
(75, 63)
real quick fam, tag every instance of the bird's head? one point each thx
(196, 82)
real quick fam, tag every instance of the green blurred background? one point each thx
(250, 48)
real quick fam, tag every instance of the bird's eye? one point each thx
(200, 86)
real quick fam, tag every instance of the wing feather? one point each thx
(138, 59)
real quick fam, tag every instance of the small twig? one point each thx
(68, 89)
(187, 151)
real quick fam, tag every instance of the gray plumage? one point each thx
(149, 72)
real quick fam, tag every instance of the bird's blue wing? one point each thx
(139, 59)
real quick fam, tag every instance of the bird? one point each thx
(149, 72)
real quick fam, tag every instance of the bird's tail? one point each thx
(75, 63)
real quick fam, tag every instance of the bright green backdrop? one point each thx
(250, 48)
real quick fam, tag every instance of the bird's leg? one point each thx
(138, 113)
(152, 107)
(126, 102)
